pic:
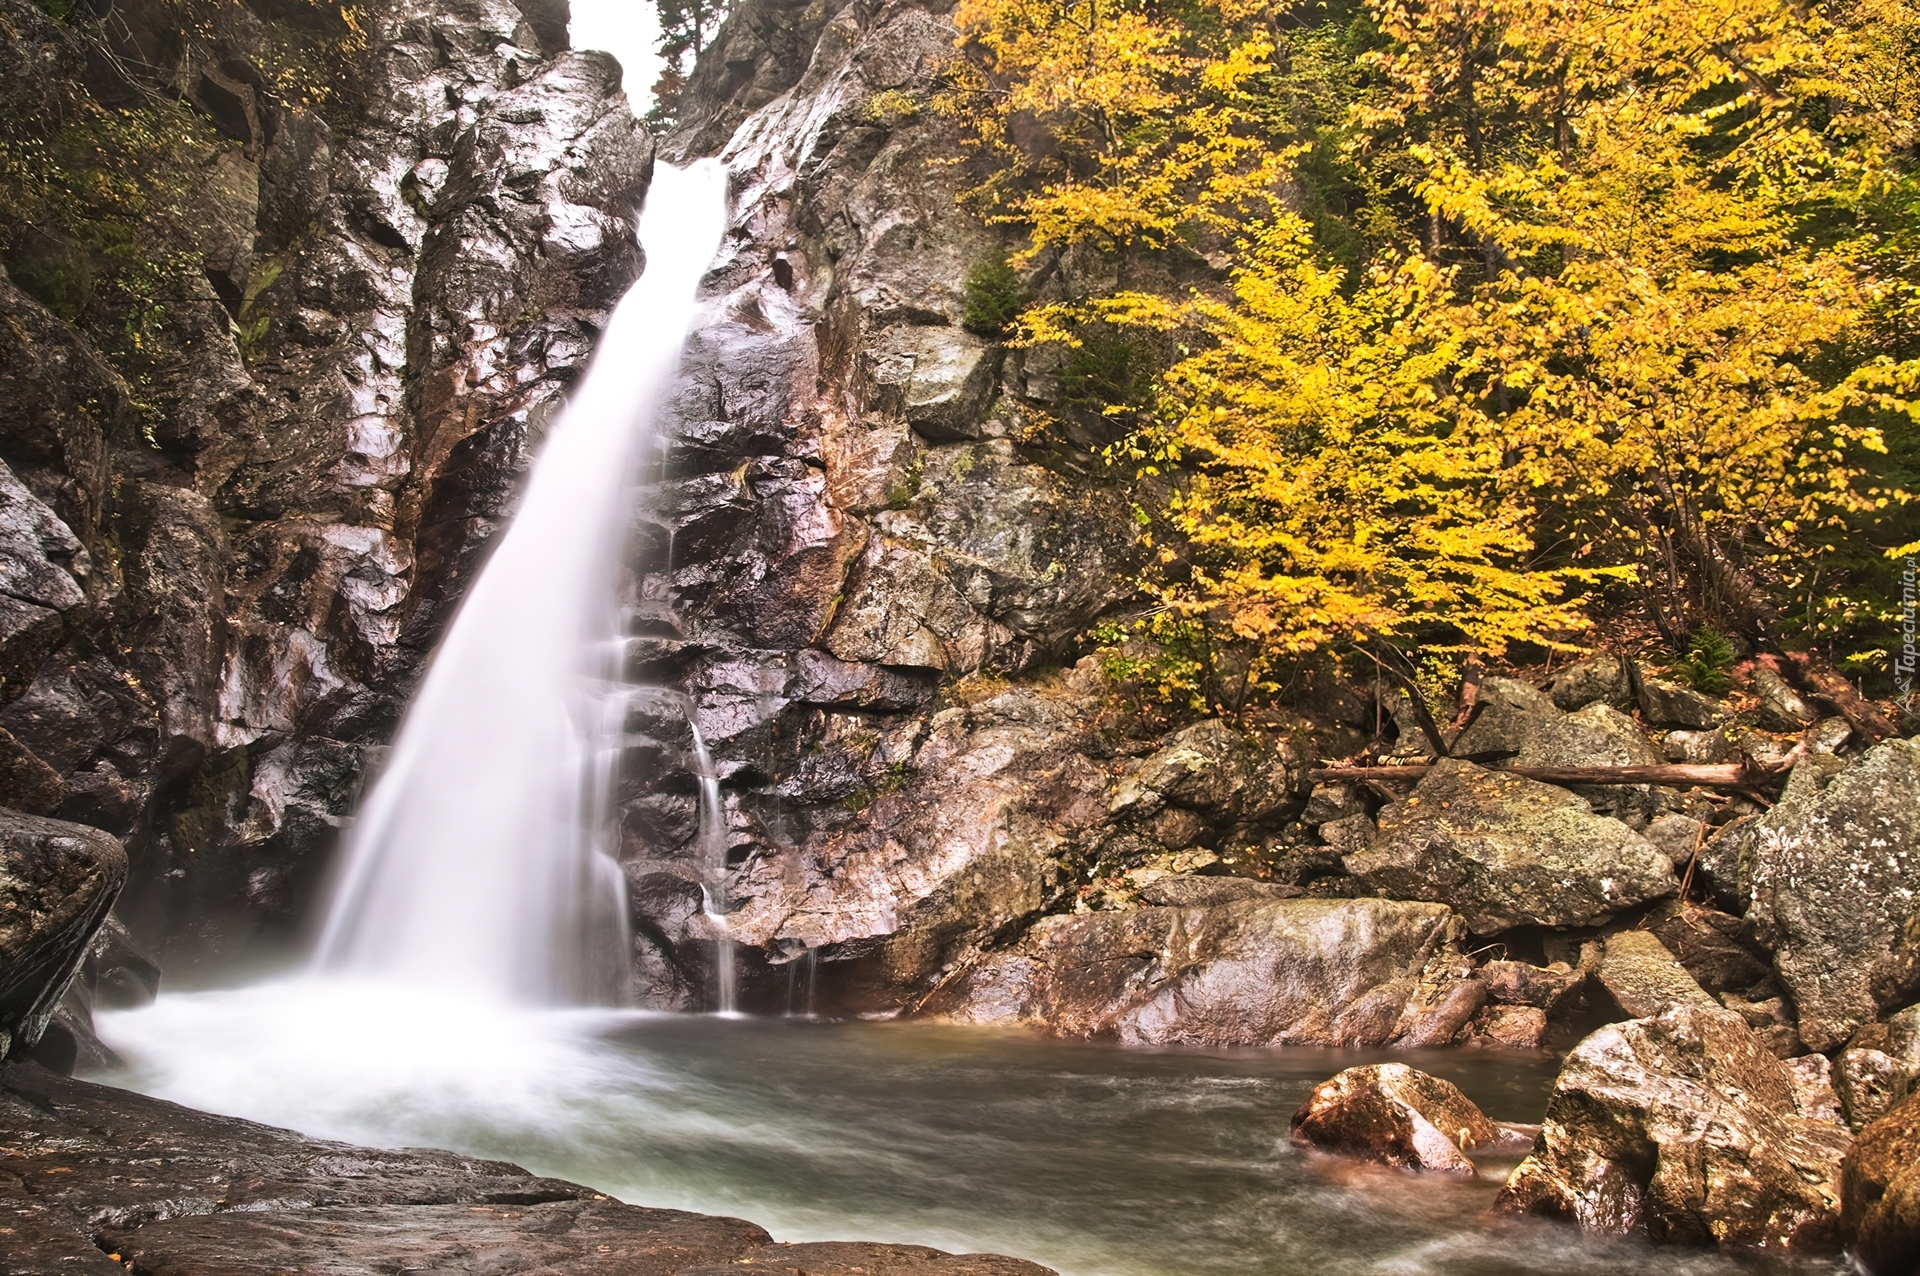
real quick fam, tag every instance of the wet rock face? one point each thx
(1253, 972)
(1834, 872)
(850, 545)
(89, 1172)
(1504, 851)
(1395, 1115)
(57, 881)
(1683, 1127)
(214, 603)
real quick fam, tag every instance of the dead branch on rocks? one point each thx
(1748, 774)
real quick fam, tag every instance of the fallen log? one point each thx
(1861, 713)
(1718, 775)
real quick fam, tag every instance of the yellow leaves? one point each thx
(1146, 120)
(1615, 356)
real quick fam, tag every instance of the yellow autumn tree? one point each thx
(1114, 122)
(1617, 345)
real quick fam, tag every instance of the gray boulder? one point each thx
(1601, 679)
(1668, 704)
(1210, 767)
(1526, 722)
(57, 881)
(1684, 1128)
(1504, 851)
(1879, 1067)
(1781, 708)
(1835, 881)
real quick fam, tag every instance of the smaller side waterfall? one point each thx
(713, 869)
(480, 859)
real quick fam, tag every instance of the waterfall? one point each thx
(480, 860)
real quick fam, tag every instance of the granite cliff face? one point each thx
(227, 560)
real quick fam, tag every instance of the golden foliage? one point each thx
(1630, 339)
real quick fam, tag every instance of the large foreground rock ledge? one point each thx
(98, 1182)
(1685, 1128)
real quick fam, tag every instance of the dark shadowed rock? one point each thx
(1684, 1128)
(1880, 1189)
(86, 1171)
(1503, 851)
(1835, 880)
(1258, 972)
(57, 881)
(1392, 1114)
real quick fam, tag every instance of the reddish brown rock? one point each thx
(1395, 1115)
(1880, 1191)
(1685, 1128)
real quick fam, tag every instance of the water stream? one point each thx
(466, 990)
(479, 860)
(1095, 1161)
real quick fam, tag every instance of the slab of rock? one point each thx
(1327, 972)
(1698, 746)
(1508, 1028)
(1835, 880)
(1211, 767)
(1685, 1128)
(1503, 851)
(57, 881)
(944, 377)
(1879, 1067)
(1518, 983)
(1346, 836)
(1880, 1191)
(1781, 708)
(1643, 978)
(1668, 704)
(1600, 678)
(1712, 945)
(1870, 1084)
(1187, 890)
(87, 1171)
(1517, 718)
(1680, 836)
(1395, 1115)
(1329, 802)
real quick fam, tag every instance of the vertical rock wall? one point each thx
(220, 589)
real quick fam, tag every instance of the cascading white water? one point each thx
(478, 861)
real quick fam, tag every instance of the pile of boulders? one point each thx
(1737, 979)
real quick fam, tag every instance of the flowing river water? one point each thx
(1096, 1161)
(466, 989)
